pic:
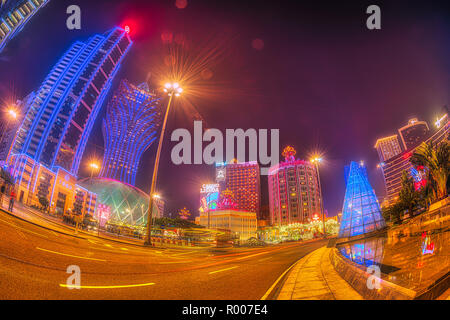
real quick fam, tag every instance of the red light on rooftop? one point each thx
(127, 29)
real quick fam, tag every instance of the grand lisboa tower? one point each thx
(129, 128)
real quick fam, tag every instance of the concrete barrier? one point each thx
(357, 278)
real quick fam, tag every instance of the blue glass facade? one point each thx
(14, 14)
(130, 127)
(60, 118)
(361, 212)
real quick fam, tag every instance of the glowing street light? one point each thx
(11, 115)
(93, 166)
(316, 161)
(171, 88)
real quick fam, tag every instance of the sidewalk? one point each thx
(314, 278)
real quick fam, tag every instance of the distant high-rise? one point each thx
(414, 133)
(388, 147)
(61, 116)
(361, 212)
(243, 180)
(294, 193)
(392, 169)
(14, 14)
(132, 120)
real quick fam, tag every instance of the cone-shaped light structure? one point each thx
(361, 212)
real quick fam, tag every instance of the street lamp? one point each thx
(94, 166)
(316, 162)
(172, 89)
(12, 115)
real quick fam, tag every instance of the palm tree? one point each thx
(436, 159)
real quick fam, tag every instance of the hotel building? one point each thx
(243, 180)
(388, 147)
(413, 133)
(133, 116)
(14, 15)
(393, 168)
(294, 193)
(50, 142)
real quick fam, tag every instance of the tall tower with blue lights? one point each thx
(48, 147)
(129, 128)
(14, 14)
(361, 212)
(60, 118)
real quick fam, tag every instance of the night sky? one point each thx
(309, 68)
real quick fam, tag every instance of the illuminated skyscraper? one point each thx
(243, 180)
(361, 212)
(50, 142)
(294, 193)
(388, 147)
(132, 120)
(393, 168)
(61, 116)
(14, 14)
(413, 133)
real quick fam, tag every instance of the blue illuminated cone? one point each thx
(361, 212)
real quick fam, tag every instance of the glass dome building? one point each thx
(128, 205)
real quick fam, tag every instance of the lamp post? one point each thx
(316, 162)
(171, 89)
(94, 166)
(12, 114)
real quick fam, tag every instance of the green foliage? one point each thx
(44, 202)
(436, 159)
(409, 198)
(175, 223)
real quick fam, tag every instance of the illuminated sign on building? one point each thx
(209, 188)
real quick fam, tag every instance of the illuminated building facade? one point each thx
(50, 142)
(129, 128)
(243, 180)
(388, 147)
(241, 222)
(361, 212)
(393, 168)
(294, 192)
(413, 133)
(14, 15)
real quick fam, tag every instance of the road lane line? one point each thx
(69, 255)
(125, 249)
(26, 230)
(263, 259)
(183, 261)
(223, 270)
(71, 286)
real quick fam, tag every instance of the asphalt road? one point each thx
(34, 262)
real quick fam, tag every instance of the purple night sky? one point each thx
(316, 73)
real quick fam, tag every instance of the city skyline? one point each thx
(305, 136)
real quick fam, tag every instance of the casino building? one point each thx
(47, 149)
(294, 192)
(133, 115)
(14, 15)
(243, 180)
(392, 168)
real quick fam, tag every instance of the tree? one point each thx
(409, 198)
(44, 202)
(393, 212)
(436, 159)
